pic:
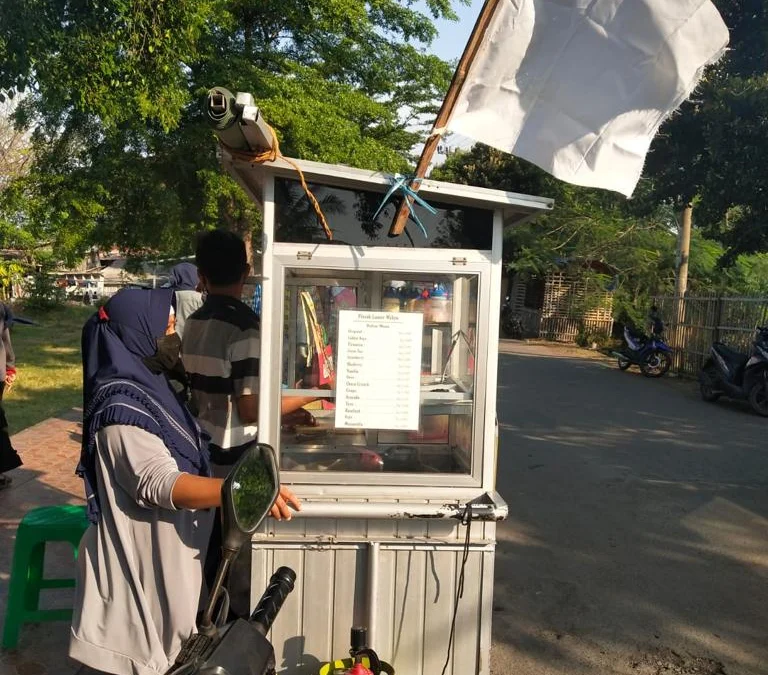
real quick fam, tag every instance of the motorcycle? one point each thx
(651, 354)
(731, 373)
(239, 647)
(511, 323)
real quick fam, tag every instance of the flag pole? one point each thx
(446, 109)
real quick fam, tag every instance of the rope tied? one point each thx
(272, 154)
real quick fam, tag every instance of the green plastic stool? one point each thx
(39, 526)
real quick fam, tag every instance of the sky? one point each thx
(449, 45)
(453, 35)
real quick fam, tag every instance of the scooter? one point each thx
(239, 647)
(651, 354)
(728, 372)
(511, 323)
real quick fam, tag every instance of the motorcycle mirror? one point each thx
(247, 495)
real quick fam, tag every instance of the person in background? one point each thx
(221, 351)
(655, 322)
(184, 282)
(144, 463)
(8, 457)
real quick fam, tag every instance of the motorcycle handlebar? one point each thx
(280, 585)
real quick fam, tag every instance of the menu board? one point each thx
(378, 372)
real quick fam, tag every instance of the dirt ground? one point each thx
(637, 542)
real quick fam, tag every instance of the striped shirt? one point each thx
(220, 351)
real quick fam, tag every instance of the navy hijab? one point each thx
(184, 277)
(119, 389)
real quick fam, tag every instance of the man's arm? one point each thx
(248, 406)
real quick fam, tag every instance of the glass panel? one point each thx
(350, 217)
(440, 439)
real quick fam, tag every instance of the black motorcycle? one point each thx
(511, 323)
(728, 372)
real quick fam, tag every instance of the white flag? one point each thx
(580, 87)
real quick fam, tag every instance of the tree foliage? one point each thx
(711, 152)
(114, 91)
(589, 226)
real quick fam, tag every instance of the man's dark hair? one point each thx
(220, 256)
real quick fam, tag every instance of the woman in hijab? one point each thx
(9, 459)
(184, 281)
(146, 472)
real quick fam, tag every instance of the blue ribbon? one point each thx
(401, 183)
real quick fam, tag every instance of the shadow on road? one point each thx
(638, 532)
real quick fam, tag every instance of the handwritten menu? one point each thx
(378, 372)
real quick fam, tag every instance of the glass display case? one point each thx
(442, 345)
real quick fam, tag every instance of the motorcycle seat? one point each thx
(736, 360)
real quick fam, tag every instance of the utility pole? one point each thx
(681, 278)
(683, 251)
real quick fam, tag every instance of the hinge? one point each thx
(304, 255)
(459, 261)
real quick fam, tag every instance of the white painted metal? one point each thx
(514, 207)
(271, 313)
(373, 590)
(400, 510)
(491, 365)
(414, 606)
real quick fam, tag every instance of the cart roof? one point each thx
(515, 207)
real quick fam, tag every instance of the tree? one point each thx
(114, 91)
(711, 152)
(15, 151)
(588, 226)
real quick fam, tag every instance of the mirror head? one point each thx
(249, 492)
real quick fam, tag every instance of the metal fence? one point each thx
(704, 320)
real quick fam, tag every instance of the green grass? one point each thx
(49, 367)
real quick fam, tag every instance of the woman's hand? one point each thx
(285, 501)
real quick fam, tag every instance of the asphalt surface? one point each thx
(637, 541)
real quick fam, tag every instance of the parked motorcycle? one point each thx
(651, 354)
(731, 373)
(511, 323)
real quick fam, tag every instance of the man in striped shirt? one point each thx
(220, 351)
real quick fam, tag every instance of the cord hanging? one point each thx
(466, 520)
(270, 155)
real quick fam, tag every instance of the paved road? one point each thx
(638, 536)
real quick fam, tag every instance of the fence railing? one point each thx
(704, 320)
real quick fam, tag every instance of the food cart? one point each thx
(394, 458)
